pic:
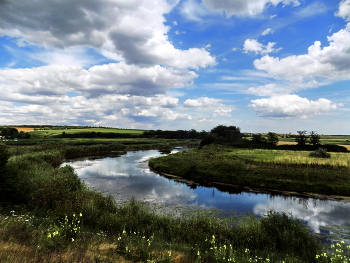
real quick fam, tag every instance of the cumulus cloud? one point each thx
(291, 106)
(344, 10)
(114, 78)
(330, 62)
(109, 110)
(253, 46)
(209, 106)
(132, 30)
(264, 90)
(244, 7)
(201, 102)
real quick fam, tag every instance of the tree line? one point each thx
(12, 133)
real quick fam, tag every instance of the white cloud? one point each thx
(132, 30)
(330, 62)
(244, 7)
(202, 102)
(267, 31)
(193, 10)
(344, 10)
(114, 78)
(205, 106)
(265, 90)
(291, 106)
(253, 46)
(111, 110)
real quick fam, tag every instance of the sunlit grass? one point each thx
(289, 157)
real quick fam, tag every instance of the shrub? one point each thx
(320, 153)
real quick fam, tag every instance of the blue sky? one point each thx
(261, 65)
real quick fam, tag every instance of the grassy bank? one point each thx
(49, 215)
(274, 169)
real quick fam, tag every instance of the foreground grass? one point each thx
(280, 170)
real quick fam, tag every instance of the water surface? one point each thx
(128, 176)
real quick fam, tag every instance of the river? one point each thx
(128, 176)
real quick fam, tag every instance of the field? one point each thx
(52, 133)
(290, 157)
(280, 170)
(56, 218)
(24, 129)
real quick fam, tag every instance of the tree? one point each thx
(301, 138)
(8, 132)
(314, 138)
(272, 138)
(230, 133)
(258, 139)
(208, 139)
(219, 130)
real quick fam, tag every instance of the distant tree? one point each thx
(23, 135)
(219, 130)
(230, 133)
(301, 138)
(208, 139)
(272, 138)
(9, 132)
(314, 138)
(258, 139)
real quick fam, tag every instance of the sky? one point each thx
(261, 65)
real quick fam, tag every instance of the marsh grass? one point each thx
(60, 220)
(275, 169)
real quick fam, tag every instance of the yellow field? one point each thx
(294, 143)
(24, 129)
(287, 143)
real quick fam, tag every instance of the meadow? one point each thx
(259, 168)
(53, 133)
(48, 215)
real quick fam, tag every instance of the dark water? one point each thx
(129, 176)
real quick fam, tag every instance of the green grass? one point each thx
(57, 219)
(326, 139)
(289, 157)
(273, 169)
(51, 133)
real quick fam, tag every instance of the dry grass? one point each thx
(287, 143)
(24, 129)
(346, 146)
(11, 252)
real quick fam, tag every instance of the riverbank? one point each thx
(263, 170)
(57, 215)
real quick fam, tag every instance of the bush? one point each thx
(320, 153)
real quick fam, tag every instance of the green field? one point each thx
(280, 170)
(52, 133)
(289, 157)
(326, 139)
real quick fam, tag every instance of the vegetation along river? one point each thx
(128, 176)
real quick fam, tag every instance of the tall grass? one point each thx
(60, 220)
(281, 170)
